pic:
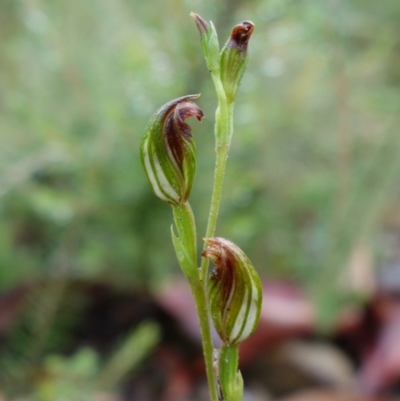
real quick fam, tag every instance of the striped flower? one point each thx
(234, 289)
(168, 151)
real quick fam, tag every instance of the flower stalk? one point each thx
(230, 378)
(232, 293)
(226, 82)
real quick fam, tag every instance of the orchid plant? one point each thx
(231, 294)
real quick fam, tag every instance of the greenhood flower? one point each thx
(234, 58)
(168, 151)
(234, 290)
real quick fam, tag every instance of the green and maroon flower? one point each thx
(168, 151)
(235, 292)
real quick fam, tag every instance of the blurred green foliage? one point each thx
(83, 375)
(314, 161)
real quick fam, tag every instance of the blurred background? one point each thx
(92, 302)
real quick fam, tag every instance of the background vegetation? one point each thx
(313, 176)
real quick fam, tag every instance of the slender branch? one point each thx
(200, 299)
(230, 378)
(222, 154)
(223, 135)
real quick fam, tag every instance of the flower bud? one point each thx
(209, 41)
(234, 291)
(234, 58)
(168, 152)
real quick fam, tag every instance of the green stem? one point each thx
(229, 375)
(200, 299)
(185, 247)
(223, 135)
(219, 173)
(185, 224)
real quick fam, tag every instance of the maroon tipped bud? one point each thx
(240, 35)
(234, 58)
